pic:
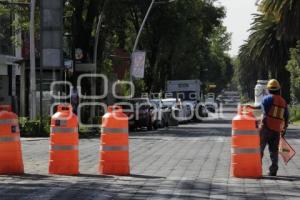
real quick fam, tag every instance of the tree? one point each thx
(287, 14)
(221, 69)
(183, 39)
(179, 39)
(293, 67)
(273, 32)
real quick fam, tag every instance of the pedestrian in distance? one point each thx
(74, 99)
(274, 122)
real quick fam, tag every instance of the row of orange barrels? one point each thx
(114, 151)
(64, 141)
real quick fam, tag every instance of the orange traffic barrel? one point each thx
(114, 150)
(64, 156)
(245, 146)
(11, 161)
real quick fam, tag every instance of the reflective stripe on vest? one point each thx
(9, 138)
(245, 150)
(275, 116)
(64, 147)
(114, 130)
(8, 121)
(277, 113)
(63, 130)
(245, 132)
(114, 148)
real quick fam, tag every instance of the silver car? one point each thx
(161, 115)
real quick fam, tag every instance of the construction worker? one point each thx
(274, 122)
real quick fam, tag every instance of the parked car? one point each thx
(198, 109)
(139, 112)
(161, 115)
(211, 105)
(188, 110)
(180, 110)
(202, 110)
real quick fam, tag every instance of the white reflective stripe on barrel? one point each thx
(114, 148)
(114, 130)
(8, 121)
(63, 147)
(63, 130)
(245, 150)
(9, 138)
(245, 132)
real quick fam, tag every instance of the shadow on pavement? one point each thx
(94, 176)
(146, 176)
(28, 176)
(205, 129)
(154, 188)
(217, 121)
(188, 132)
(210, 121)
(282, 178)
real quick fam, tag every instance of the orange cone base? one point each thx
(11, 169)
(11, 165)
(248, 175)
(63, 168)
(114, 169)
(245, 169)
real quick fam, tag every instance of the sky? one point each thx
(238, 20)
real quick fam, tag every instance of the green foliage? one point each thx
(18, 22)
(85, 132)
(266, 52)
(3, 10)
(220, 70)
(31, 128)
(182, 39)
(293, 67)
(294, 113)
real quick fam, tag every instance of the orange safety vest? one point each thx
(275, 117)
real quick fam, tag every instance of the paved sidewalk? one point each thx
(187, 162)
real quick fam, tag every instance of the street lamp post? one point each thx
(142, 26)
(98, 29)
(32, 63)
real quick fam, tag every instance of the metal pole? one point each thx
(32, 62)
(97, 38)
(18, 53)
(22, 90)
(93, 81)
(144, 21)
(41, 81)
(140, 32)
(142, 26)
(41, 97)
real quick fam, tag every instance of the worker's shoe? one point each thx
(272, 173)
(273, 169)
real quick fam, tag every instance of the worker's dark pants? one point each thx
(272, 139)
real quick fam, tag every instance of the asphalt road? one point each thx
(191, 161)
